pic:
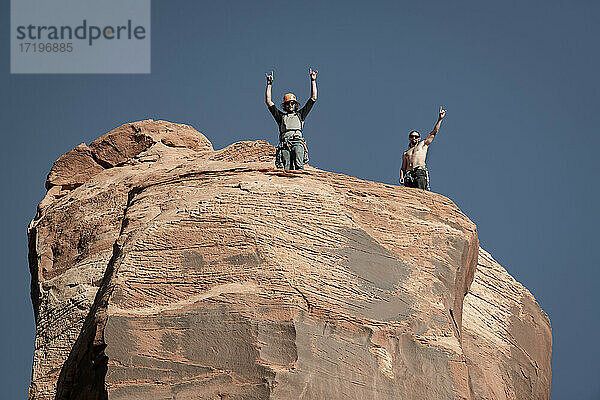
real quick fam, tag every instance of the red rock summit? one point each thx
(163, 269)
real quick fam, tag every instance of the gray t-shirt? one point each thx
(303, 112)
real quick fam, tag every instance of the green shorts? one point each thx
(291, 154)
(417, 177)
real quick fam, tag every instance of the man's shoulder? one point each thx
(274, 110)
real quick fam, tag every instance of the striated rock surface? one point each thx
(162, 269)
(502, 322)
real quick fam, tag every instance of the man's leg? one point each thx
(298, 155)
(286, 157)
(421, 179)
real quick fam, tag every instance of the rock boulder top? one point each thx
(162, 268)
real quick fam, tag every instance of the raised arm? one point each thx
(268, 91)
(313, 83)
(436, 128)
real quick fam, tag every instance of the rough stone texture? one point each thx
(178, 272)
(504, 323)
(73, 168)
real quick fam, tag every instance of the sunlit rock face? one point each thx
(163, 269)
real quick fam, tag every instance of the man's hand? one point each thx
(401, 180)
(268, 89)
(442, 114)
(313, 83)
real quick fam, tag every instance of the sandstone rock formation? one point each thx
(162, 269)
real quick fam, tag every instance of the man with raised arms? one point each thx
(291, 150)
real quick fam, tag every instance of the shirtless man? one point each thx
(413, 172)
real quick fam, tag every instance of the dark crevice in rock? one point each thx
(456, 328)
(464, 278)
(68, 186)
(135, 128)
(309, 306)
(71, 186)
(83, 375)
(100, 162)
(33, 270)
(168, 144)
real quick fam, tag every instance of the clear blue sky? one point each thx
(516, 151)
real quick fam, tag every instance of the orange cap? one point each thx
(289, 97)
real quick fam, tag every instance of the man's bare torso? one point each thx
(415, 156)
